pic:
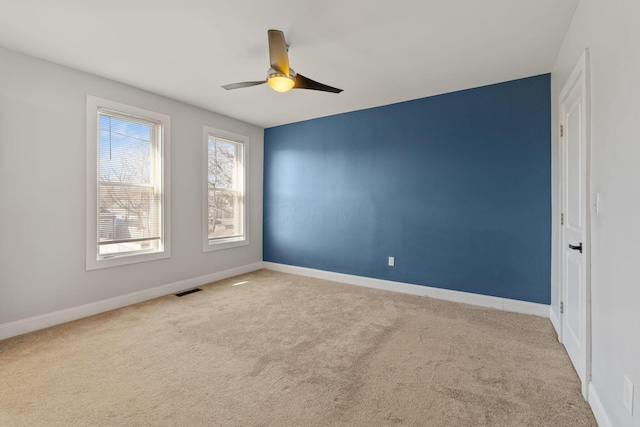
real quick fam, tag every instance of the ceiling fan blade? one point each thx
(278, 52)
(242, 84)
(303, 82)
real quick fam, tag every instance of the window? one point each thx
(224, 189)
(127, 195)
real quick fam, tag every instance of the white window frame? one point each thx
(223, 243)
(93, 259)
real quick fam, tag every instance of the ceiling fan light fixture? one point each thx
(280, 82)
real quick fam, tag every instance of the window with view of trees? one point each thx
(225, 206)
(129, 195)
(129, 190)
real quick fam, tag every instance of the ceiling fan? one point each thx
(280, 76)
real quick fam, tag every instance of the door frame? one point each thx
(580, 71)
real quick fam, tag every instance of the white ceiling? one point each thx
(378, 51)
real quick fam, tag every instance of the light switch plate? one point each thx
(392, 261)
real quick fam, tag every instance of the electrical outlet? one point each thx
(392, 261)
(627, 397)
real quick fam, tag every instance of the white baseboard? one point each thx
(35, 323)
(504, 304)
(31, 324)
(598, 409)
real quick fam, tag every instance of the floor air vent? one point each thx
(190, 291)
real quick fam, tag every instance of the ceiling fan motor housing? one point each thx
(276, 73)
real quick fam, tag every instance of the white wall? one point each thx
(611, 30)
(42, 191)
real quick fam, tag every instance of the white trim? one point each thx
(598, 408)
(93, 261)
(504, 304)
(243, 240)
(35, 323)
(555, 321)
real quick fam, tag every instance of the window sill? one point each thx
(117, 260)
(220, 244)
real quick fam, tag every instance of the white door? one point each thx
(575, 298)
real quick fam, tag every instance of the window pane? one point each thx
(224, 189)
(224, 209)
(125, 150)
(129, 199)
(222, 164)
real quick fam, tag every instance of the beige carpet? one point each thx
(270, 349)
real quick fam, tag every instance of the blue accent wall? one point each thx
(457, 187)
